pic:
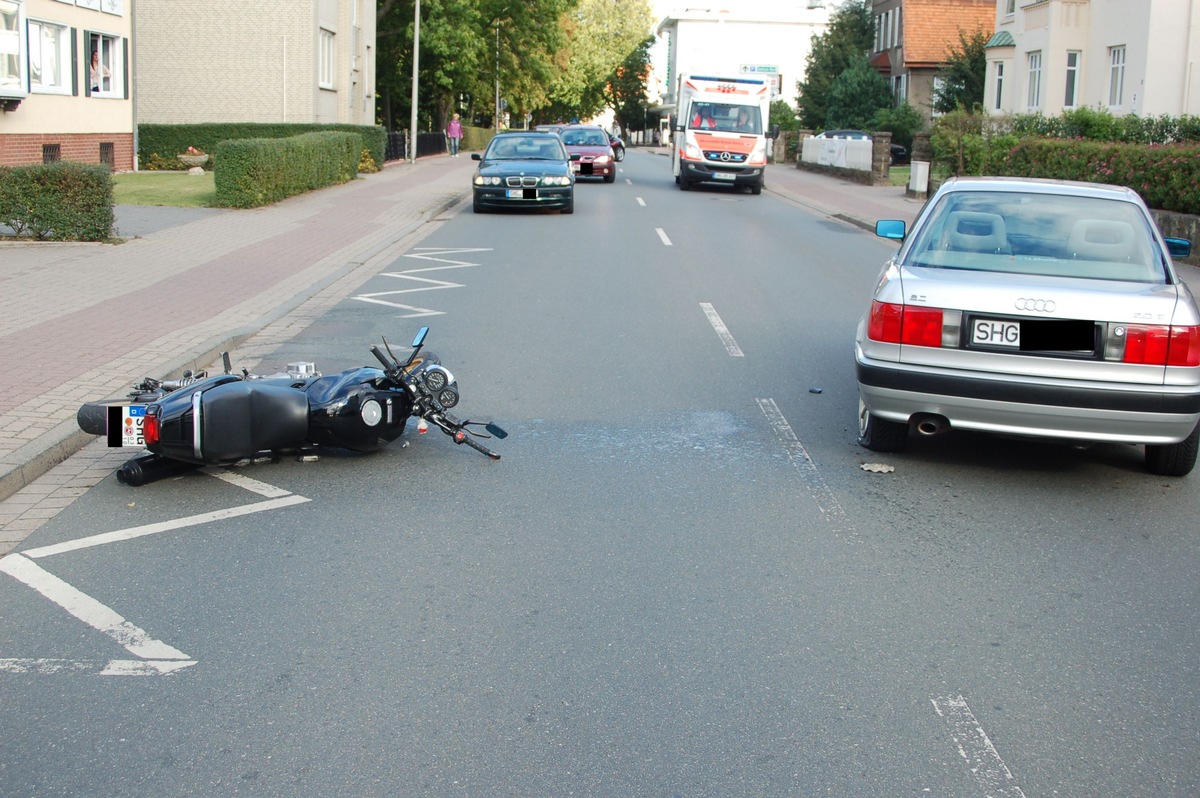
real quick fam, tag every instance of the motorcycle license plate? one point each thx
(125, 426)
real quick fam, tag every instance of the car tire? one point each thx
(619, 153)
(757, 188)
(684, 183)
(569, 207)
(477, 208)
(1174, 459)
(880, 434)
(610, 178)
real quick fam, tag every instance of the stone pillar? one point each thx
(881, 158)
(922, 148)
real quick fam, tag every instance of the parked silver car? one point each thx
(1037, 308)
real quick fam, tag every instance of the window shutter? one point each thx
(125, 68)
(74, 62)
(86, 63)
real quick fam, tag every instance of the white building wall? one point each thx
(1161, 39)
(725, 41)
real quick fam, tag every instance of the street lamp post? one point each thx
(412, 124)
(498, 16)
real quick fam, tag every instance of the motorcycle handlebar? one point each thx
(388, 365)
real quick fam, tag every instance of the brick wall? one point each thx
(25, 149)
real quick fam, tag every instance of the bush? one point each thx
(61, 201)
(254, 172)
(159, 144)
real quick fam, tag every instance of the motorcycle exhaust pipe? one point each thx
(151, 468)
(932, 425)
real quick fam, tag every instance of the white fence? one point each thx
(846, 153)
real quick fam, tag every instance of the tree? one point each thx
(626, 89)
(465, 46)
(784, 115)
(600, 35)
(962, 78)
(850, 35)
(856, 95)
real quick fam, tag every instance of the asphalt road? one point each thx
(678, 581)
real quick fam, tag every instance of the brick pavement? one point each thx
(85, 321)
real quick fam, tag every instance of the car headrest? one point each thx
(973, 231)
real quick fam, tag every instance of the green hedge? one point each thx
(476, 139)
(159, 144)
(254, 172)
(1167, 176)
(61, 201)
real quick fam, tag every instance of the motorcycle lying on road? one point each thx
(221, 420)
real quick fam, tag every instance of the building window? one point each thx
(325, 67)
(1034, 99)
(999, 84)
(900, 89)
(1116, 76)
(106, 65)
(1071, 96)
(51, 153)
(1010, 8)
(12, 53)
(49, 57)
(108, 154)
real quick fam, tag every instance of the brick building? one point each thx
(56, 105)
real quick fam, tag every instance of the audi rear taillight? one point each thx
(150, 428)
(904, 324)
(1162, 346)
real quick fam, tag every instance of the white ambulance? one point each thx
(721, 131)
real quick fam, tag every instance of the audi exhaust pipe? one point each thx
(930, 424)
(151, 468)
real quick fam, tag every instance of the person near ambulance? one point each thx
(702, 119)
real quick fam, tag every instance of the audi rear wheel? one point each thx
(880, 434)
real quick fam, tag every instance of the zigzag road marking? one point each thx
(428, 283)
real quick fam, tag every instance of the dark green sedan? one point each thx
(524, 169)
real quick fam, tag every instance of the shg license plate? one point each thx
(724, 176)
(514, 193)
(991, 332)
(125, 425)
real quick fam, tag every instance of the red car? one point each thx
(591, 143)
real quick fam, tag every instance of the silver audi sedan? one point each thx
(1036, 308)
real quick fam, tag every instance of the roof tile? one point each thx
(931, 27)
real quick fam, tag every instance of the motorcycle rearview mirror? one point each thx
(420, 339)
(225, 362)
(496, 430)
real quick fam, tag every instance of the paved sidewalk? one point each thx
(80, 322)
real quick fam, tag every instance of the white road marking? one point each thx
(641, 202)
(163, 526)
(115, 667)
(976, 748)
(88, 610)
(157, 658)
(246, 483)
(662, 234)
(426, 283)
(722, 331)
(827, 503)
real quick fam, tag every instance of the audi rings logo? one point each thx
(726, 156)
(1036, 305)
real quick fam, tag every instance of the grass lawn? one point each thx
(176, 189)
(899, 174)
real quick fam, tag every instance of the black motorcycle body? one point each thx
(228, 418)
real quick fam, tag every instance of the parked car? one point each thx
(618, 147)
(591, 144)
(1033, 308)
(899, 151)
(524, 170)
